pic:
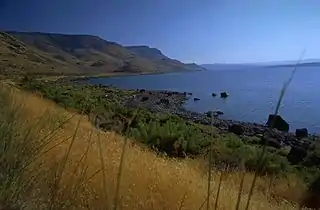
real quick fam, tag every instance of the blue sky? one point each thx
(201, 31)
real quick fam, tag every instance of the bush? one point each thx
(157, 132)
(230, 150)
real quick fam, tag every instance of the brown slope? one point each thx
(16, 57)
(90, 54)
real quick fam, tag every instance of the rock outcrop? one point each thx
(301, 133)
(296, 155)
(224, 94)
(236, 129)
(277, 122)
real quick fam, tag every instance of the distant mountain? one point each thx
(83, 54)
(292, 62)
(272, 64)
(311, 62)
(158, 57)
(219, 66)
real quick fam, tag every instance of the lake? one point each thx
(253, 92)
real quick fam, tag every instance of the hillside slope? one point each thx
(83, 54)
(16, 57)
(162, 60)
(148, 182)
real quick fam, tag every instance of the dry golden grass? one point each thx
(148, 181)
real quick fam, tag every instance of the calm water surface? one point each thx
(253, 92)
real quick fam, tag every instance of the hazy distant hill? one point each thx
(219, 66)
(158, 57)
(272, 64)
(43, 52)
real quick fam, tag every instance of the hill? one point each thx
(220, 66)
(74, 54)
(160, 59)
(271, 64)
(295, 65)
(16, 57)
(71, 155)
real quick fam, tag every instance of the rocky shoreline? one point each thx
(172, 103)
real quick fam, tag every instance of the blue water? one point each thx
(253, 92)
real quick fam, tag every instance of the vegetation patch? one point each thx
(165, 132)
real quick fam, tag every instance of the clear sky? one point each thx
(201, 31)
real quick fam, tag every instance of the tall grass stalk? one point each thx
(104, 177)
(83, 169)
(123, 152)
(271, 125)
(209, 177)
(61, 169)
(243, 173)
(218, 190)
(183, 200)
(209, 168)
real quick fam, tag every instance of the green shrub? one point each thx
(156, 132)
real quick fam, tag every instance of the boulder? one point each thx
(196, 99)
(213, 113)
(142, 90)
(144, 98)
(164, 101)
(209, 114)
(296, 155)
(190, 94)
(236, 129)
(214, 94)
(219, 112)
(278, 123)
(272, 142)
(224, 94)
(301, 133)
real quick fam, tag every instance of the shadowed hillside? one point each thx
(158, 57)
(83, 54)
(16, 57)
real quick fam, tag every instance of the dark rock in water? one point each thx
(214, 94)
(190, 94)
(296, 155)
(144, 98)
(278, 123)
(301, 133)
(236, 129)
(209, 114)
(224, 95)
(142, 90)
(219, 112)
(196, 99)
